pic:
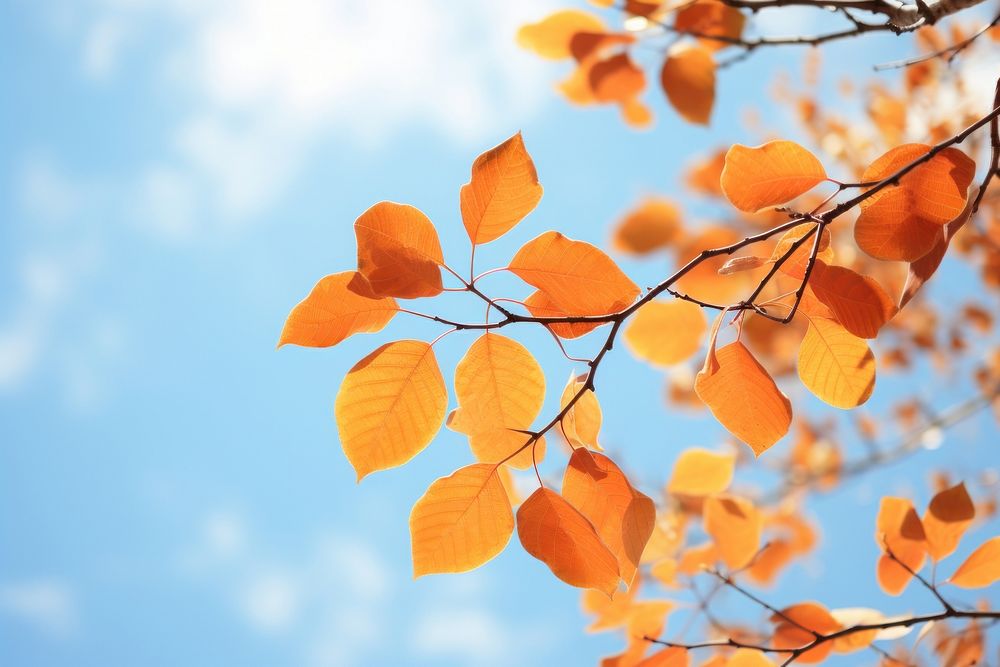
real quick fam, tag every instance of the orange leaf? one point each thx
(773, 173)
(688, 79)
(499, 387)
(339, 306)
(795, 265)
(554, 532)
(398, 251)
(835, 365)
(578, 278)
(922, 269)
(981, 568)
(503, 189)
(622, 516)
(665, 333)
(551, 37)
(655, 223)
(947, 518)
(539, 304)
(390, 406)
(795, 626)
(898, 529)
(462, 521)
(699, 472)
(712, 19)
(735, 526)
(746, 657)
(581, 425)
(858, 302)
(672, 656)
(616, 79)
(903, 222)
(743, 397)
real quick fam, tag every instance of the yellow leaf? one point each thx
(462, 521)
(735, 526)
(947, 518)
(665, 333)
(390, 406)
(688, 79)
(981, 568)
(581, 425)
(504, 188)
(339, 306)
(747, 657)
(622, 516)
(550, 37)
(500, 387)
(699, 472)
(835, 365)
(578, 278)
(554, 532)
(768, 175)
(398, 251)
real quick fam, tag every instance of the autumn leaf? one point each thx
(898, 530)
(581, 425)
(616, 79)
(981, 568)
(653, 224)
(857, 302)
(339, 306)
(742, 396)
(665, 333)
(746, 657)
(554, 532)
(398, 251)
(578, 278)
(922, 269)
(390, 406)
(796, 263)
(904, 221)
(672, 656)
(768, 175)
(539, 304)
(500, 390)
(948, 516)
(835, 365)
(463, 520)
(735, 526)
(504, 188)
(550, 38)
(688, 79)
(795, 627)
(710, 18)
(622, 516)
(700, 472)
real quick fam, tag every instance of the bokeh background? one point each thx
(175, 176)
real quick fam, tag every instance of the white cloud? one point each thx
(474, 636)
(264, 83)
(48, 605)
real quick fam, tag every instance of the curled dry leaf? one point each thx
(390, 406)
(462, 521)
(756, 178)
(503, 189)
(554, 532)
(339, 306)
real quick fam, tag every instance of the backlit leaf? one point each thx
(581, 425)
(616, 79)
(712, 19)
(747, 657)
(774, 173)
(858, 302)
(735, 526)
(499, 387)
(699, 472)
(948, 516)
(922, 269)
(672, 656)
(504, 188)
(550, 37)
(398, 251)
(539, 304)
(796, 263)
(666, 332)
(339, 306)
(390, 406)
(898, 529)
(622, 516)
(462, 521)
(795, 626)
(836, 365)
(554, 532)
(688, 79)
(578, 278)
(903, 222)
(981, 568)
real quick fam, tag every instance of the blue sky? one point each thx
(175, 176)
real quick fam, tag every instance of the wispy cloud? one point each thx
(48, 605)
